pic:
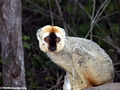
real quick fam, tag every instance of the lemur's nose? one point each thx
(52, 48)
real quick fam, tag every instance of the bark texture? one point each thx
(11, 43)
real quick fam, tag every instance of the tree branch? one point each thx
(97, 16)
(60, 12)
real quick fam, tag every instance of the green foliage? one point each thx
(25, 44)
(83, 28)
(88, 8)
(116, 28)
(26, 37)
(49, 78)
(69, 8)
(112, 7)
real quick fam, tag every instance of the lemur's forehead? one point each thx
(58, 35)
(46, 34)
(51, 29)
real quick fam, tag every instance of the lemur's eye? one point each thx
(46, 39)
(58, 39)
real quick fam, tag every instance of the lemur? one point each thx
(85, 62)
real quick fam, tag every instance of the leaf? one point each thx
(69, 8)
(26, 45)
(35, 63)
(26, 37)
(49, 78)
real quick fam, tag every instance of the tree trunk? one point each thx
(11, 43)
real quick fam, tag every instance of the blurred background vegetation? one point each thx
(41, 72)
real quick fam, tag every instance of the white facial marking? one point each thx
(59, 35)
(45, 35)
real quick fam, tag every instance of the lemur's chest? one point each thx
(63, 59)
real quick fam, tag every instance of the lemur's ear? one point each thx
(63, 30)
(38, 33)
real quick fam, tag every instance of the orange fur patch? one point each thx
(49, 28)
(92, 82)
